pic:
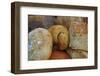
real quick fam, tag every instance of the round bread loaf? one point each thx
(39, 44)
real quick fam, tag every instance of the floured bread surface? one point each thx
(39, 44)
